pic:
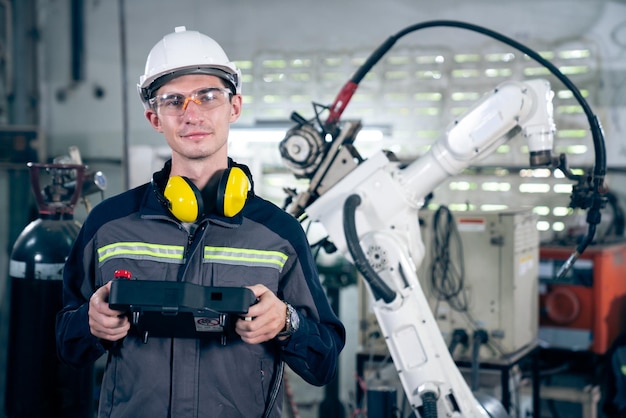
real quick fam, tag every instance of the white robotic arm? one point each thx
(370, 210)
(500, 115)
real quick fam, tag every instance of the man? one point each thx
(191, 93)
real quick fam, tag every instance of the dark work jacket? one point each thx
(196, 377)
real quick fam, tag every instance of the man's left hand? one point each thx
(264, 319)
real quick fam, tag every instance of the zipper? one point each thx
(194, 240)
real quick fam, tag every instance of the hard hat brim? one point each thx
(231, 79)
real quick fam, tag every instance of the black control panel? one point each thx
(179, 309)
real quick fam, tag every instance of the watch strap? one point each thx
(289, 329)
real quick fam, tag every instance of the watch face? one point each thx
(295, 320)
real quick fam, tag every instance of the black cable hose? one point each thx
(617, 226)
(278, 379)
(480, 338)
(379, 288)
(596, 130)
(447, 278)
(452, 346)
(459, 336)
(429, 404)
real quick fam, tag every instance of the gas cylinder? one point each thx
(38, 383)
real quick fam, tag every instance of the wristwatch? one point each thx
(292, 322)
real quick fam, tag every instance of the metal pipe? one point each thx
(124, 95)
(77, 40)
(8, 46)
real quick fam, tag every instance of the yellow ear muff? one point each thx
(226, 194)
(184, 199)
(232, 191)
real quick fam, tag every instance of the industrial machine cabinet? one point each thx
(499, 254)
(585, 309)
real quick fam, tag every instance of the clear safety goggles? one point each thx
(175, 104)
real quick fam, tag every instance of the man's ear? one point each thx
(154, 119)
(235, 108)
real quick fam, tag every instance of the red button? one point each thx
(122, 274)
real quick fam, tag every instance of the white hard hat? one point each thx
(186, 52)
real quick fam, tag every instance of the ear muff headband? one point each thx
(184, 199)
(233, 191)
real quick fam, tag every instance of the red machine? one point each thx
(585, 309)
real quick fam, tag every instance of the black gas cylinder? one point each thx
(38, 384)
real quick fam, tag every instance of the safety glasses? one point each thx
(175, 104)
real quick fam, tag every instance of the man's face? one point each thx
(200, 130)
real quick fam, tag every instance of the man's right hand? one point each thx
(106, 323)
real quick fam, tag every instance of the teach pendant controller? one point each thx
(171, 309)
